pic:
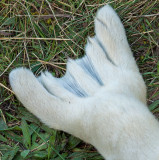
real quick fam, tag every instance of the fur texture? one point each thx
(101, 99)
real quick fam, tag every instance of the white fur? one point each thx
(101, 99)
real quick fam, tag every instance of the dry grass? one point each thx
(42, 34)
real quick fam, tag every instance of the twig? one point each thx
(151, 15)
(142, 33)
(39, 146)
(11, 62)
(47, 16)
(43, 62)
(33, 38)
(2, 85)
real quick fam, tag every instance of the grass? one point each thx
(42, 34)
